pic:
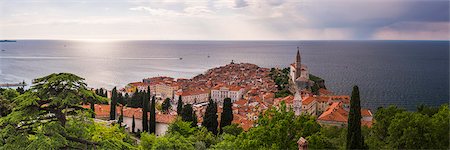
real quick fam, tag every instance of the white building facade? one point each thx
(219, 93)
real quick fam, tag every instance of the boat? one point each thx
(8, 41)
(181, 58)
(3, 50)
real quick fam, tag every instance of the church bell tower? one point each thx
(298, 64)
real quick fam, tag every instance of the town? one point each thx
(252, 91)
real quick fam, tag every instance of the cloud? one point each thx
(240, 3)
(414, 31)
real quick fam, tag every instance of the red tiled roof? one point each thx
(103, 111)
(308, 100)
(334, 113)
(366, 113)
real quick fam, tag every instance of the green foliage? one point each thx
(355, 140)
(145, 107)
(426, 110)
(50, 116)
(188, 115)
(150, 141)
(210, 118)
(179, 106)
(6, 101)
(281, 79)
(227, 114)
(166, 105)
(133, 125)
(396, 128)
(10, 94)
(233, 129)
(277, 129)
(181, 127)
(152, 121)
(114, 97)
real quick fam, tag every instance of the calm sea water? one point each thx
(404, 73)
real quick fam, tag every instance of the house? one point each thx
(193, 96)
(220, 92)
(337, 115)
(309, 105)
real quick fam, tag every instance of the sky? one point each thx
(225, 19)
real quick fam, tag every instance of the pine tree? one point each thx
(210, 118)
(188, 115)
(145, 113)
(227, 114)
(112, 112)
(179, 106)
(166, 105)
(355, 140)
(152, 121)
(133, 125)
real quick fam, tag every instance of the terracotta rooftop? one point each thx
(308, 100)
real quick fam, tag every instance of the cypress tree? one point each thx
(133, 125)
(227, 114)
(121, 116)
(112, 112)
(144, 113)
(355, 139)
(126, 99)
(152, 121)
(210, 118)
(93, 109)
(166, 105)
(179, 106)
(188, 115)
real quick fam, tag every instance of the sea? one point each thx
(401, 73)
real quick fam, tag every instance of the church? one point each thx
(300, 79)
(299, 73)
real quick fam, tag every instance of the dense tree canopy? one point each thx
(50, 116)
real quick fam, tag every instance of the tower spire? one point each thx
(298, 63)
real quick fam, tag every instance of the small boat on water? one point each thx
(3, 50)
(181, 58)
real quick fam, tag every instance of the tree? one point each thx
(276, 129)
(179, 106)
(233, 129)
(40, 119)
(120, 121)
(112, 112)
(126, 99)
(166, 105)
(92, 106)
(188, 115)
(133, 125)
(152, 121)
(120, 99)
(145, 110)
(355, 140)
(20, 90)
(227, 114)
(6, 101)
(210, 118)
